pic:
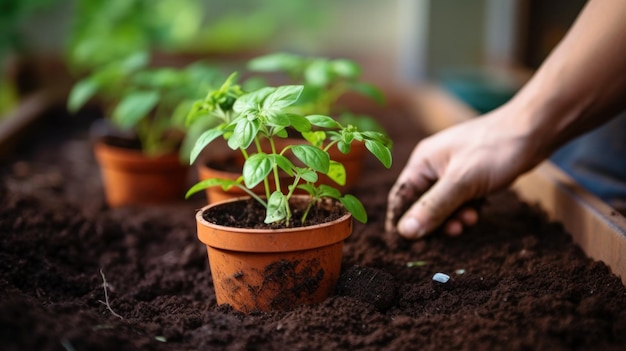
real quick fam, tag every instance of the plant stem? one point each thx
(327, 147)
(252, 194)
(275, 166)
(306, 212)
(290, 194)
(266, 183)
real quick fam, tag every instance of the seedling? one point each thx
(151, 102)
(248, 120)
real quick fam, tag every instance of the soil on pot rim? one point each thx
(517, 282)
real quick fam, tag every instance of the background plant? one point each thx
(151, 102)
(249, 119)
(110, 30)
(325, 81)
(14, 15)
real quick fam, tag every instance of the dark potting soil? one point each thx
(251, 214)
(76, 275)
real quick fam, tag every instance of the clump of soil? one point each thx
(369, 285)
(517, 281)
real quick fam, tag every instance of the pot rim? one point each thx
(105, 152)
(237, 229)
(272, 240)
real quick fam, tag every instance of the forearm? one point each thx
(581, 85)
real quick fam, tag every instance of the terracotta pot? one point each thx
(132, 178)
(353, 163)
(274, 269)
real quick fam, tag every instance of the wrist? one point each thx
(545, 119)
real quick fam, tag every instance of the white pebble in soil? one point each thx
(441, 278)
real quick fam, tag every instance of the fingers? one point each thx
(400, 197)
(414, 180)
(433, 208)
(466, 217)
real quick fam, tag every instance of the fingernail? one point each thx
(410, 228)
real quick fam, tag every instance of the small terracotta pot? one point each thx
(274, 269)
(132, 178)
(353, 163)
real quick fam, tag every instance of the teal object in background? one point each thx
(482, 89)
(597, 161)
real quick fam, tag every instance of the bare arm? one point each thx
(581, 85)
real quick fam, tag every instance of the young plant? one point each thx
(325, 81)
(262, 117)
(150, 102)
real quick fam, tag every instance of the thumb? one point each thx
(432, 209)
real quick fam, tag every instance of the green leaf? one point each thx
(207, 183)
(159, 78)
(179, 114)
(346, 68)
(251, 101)
(81, 93)
(283, 163)
(369, 91)
(278, 119)
(256, 168)
(316, 138)
(244, 133)
(354, 206)
(312, 190)
(280, 132)
(343, 146)
(382, 153)
(307, 174)
(134, 61)
(276, 207)
(337, 172)
(134, 107)
(323, 121)
(300, 123)
(275, 62)
(319, 73)
(203, 140)
(312, 157)
(197, 110)
(328, 191)
(282, 97)
(378, 136)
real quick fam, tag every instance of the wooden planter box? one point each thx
(596, 227)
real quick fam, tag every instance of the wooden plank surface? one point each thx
(595, 226)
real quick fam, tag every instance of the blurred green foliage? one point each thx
(13, 15)
(106, 30)
(150, 102)
(109, 30)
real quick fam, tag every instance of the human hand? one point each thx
(450, 168)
